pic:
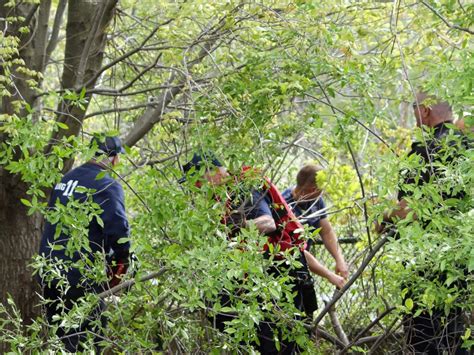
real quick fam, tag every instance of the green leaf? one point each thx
(230, 330)
(101, 175)
(26, 202)
(62, 125)
(82, 93)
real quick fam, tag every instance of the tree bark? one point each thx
(85, 43)
(19, 240)
(19, 233)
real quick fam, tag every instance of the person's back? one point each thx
(86, 222)
(84, 185)
(428, 181)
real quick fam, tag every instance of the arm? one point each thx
(260, 214)
(319, 269)
(115, 220)
(330, 242)
(116, 227)
(399, 212)
(264, 224)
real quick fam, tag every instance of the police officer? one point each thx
(74, 259)
(427, 332)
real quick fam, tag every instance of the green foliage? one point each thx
(284, 82)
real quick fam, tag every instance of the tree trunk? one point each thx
(19, 240)
(86, 39)
(85, 43)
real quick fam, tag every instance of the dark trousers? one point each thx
(305, 300)
(430, 334)
(265, 331)
(61, 304)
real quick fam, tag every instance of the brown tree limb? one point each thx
(31, 13)
(114, 110)
(354, 119)
(86, 52)
(381, 338)
(154, 114)
(140, 74)
(376, 338)
(130, 283)
(53, 40)
(341, 334)
(126, 55)
(324, 334)
(381, 242)
(81, 25)
(358, 338)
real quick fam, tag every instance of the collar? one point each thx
(96, 166)
(441, 127)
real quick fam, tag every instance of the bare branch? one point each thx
(81, 69)
(154, 114)
(354, 119)
(323, 333)
(113, 110)
(353, 278)
(366, 329)
(126, 55)
(341, 334)
(31, 13)
(130, 283)
(58, 19)
(450, 25)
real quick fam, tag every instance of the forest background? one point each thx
(271, 84)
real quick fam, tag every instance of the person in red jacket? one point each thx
(267, 210)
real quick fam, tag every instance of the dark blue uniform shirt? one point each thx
(259, 205)
(444, 148)
(108, 194)
(301, 210)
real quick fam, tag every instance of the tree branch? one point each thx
(354, 277)
(323, 333)
(53, 40)
(130, 283)
(126, 55)
(154, 114)
(81, 69)
(341, 334)
(366, 329)
(118, 109)
(450, 25)
(31, 13)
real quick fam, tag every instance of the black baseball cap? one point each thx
(198, 161)
(109, 146)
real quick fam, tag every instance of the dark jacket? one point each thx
(102, 237)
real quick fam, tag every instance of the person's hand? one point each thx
(342, 269)
(117, 272)
(379, 227)
(336, 280)
(236, 221)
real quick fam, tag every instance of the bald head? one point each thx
(430, 110)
